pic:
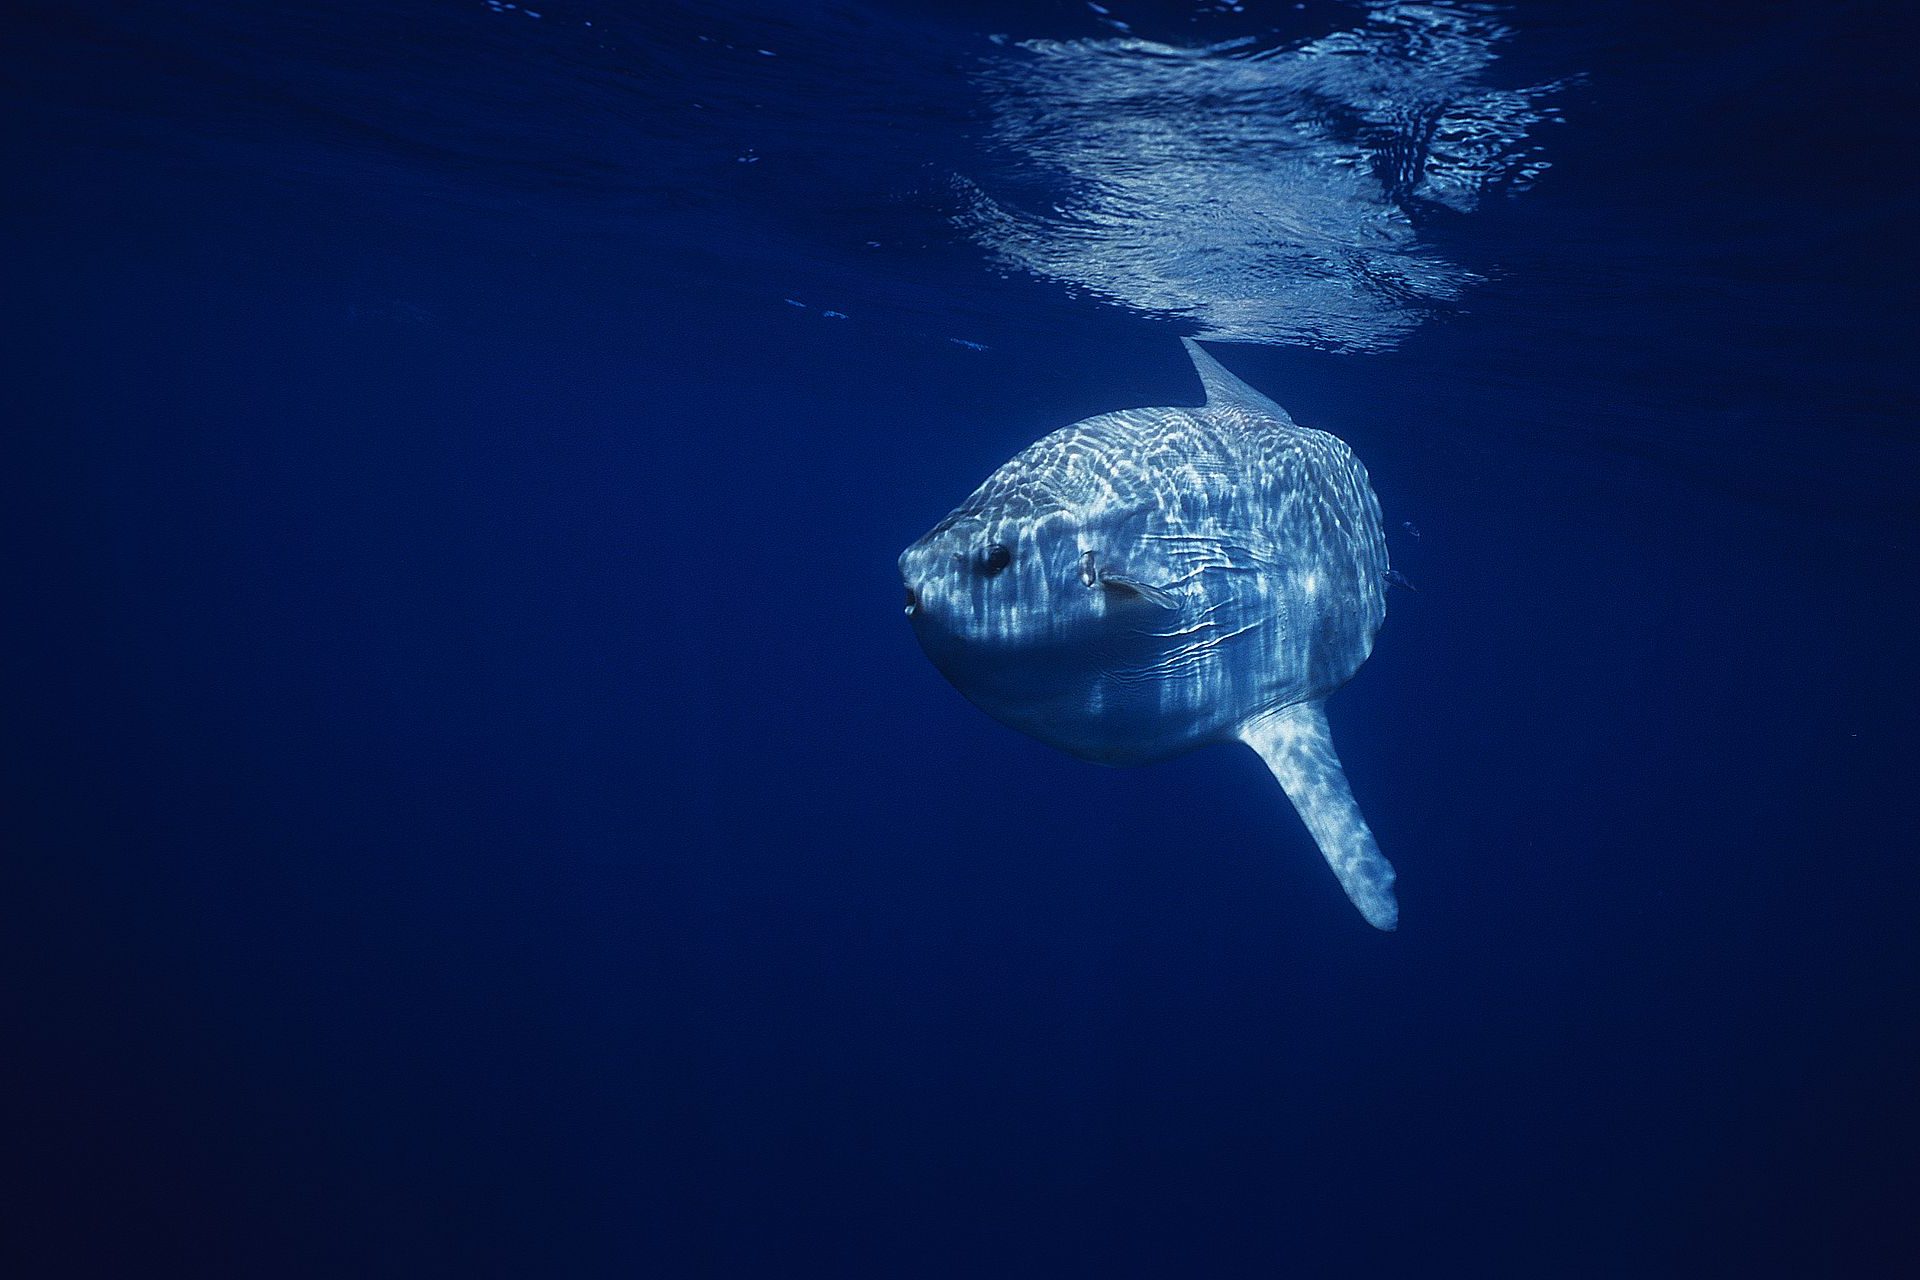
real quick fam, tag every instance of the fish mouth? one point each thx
(913, 602)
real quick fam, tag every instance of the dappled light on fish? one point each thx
(1153, 580)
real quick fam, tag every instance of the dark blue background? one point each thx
(476, 809)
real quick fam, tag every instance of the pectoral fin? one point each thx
(1093, 573)
(1298, 748)
(1153, 595)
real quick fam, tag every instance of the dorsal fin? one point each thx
(1223, 389)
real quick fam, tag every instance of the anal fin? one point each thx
(1298, 747)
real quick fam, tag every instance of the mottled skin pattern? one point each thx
(1148, 581)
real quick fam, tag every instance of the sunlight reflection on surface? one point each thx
(1270, 194)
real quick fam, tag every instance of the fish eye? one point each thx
(997, 558)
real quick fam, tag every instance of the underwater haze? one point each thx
(476, 808)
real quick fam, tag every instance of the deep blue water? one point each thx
(476, 808)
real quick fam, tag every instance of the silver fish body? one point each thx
(1149, 581)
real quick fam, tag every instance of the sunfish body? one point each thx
(1145, 582)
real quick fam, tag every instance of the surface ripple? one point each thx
(1268, 194)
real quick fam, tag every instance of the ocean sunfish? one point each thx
(1149, 581)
